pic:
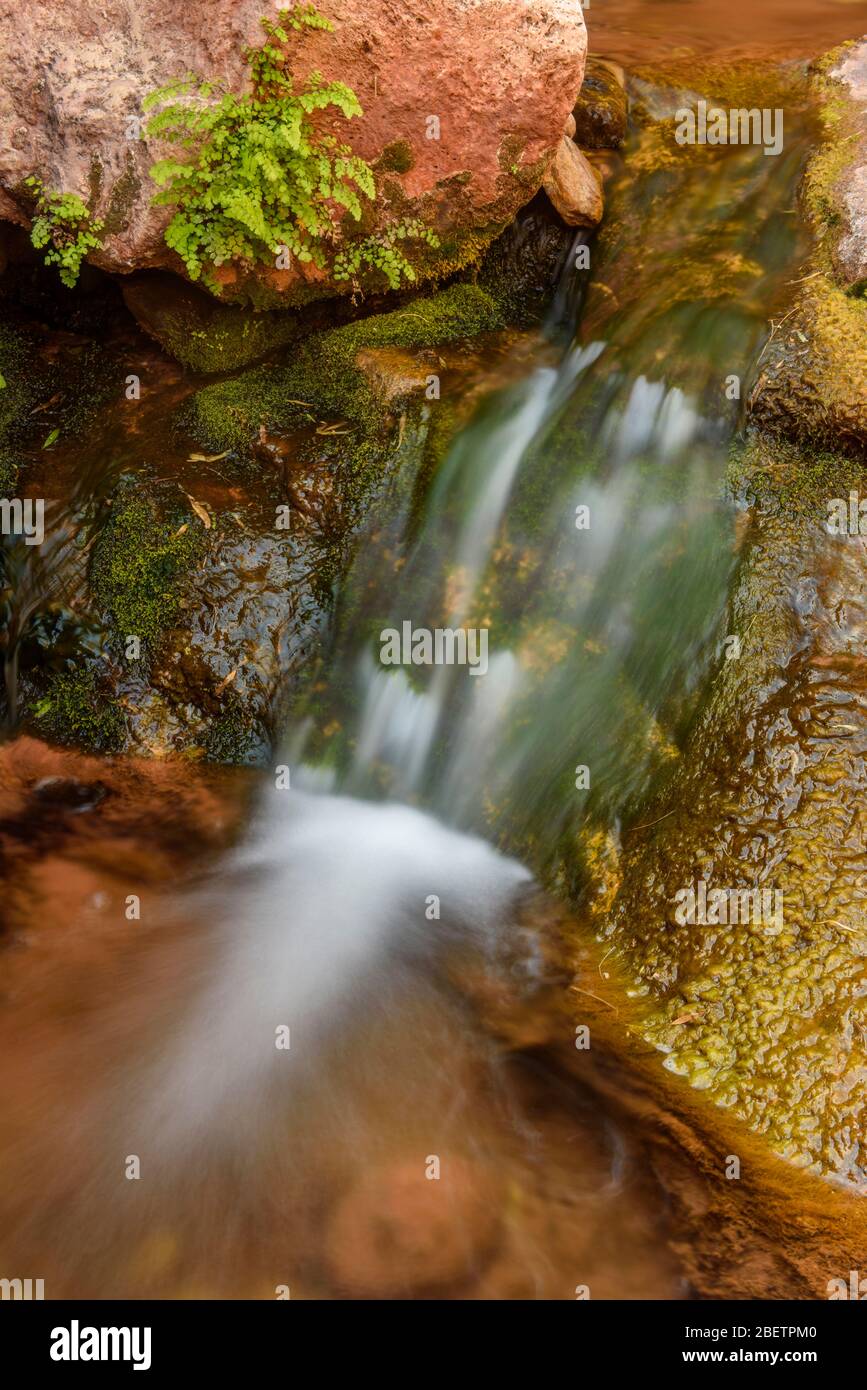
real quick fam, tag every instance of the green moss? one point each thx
(397, 157)
(324, 375)
(123, 196)
(138, 562)
(232, 737)
(201, 333)
(22, 381)
(78, 708)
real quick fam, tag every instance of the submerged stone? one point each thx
(601, 111)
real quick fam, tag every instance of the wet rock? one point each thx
(573, 187)
(500, 77)
(601, 111)
(394, 374)
(766, 1012)
(812, 382)
(521, 269)
(197, 330)
(339, 373)
(850, 251)
(65, 793)
(397, 1233)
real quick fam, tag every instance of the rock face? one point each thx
(812, 383)
(500, 76)
(850, 253)
(573, 186)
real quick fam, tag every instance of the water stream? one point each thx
(338, 1046)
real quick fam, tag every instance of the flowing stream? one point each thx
(338, 1060)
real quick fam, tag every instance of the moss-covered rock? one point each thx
(138, 561)
(200, 332)
(325, 375)
(766, 1013)
(80, 708)
(812, 385)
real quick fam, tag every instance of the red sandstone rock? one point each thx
(501, 76)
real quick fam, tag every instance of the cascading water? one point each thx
(578, 521)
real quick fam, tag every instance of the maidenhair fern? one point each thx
(63, 223)
(381, 253)
(261, 178)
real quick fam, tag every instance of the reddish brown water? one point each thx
(424, 1133)
(652, 31)
(432, 1128)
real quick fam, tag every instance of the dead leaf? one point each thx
(226, 681)
(181, 529)
(201, 512)
(207, 458)
(58, 396)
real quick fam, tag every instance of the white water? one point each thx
(324, 897)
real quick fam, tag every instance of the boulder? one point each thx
(499, 76)
(850, 251)
(396, 1233)
(573, 186)
(200, 332)
(812, 380)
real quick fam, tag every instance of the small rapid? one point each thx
(350, 1068)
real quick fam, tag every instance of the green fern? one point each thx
(380, 253)
(260, 178)
(63, 223)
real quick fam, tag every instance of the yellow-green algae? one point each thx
(770, 1020)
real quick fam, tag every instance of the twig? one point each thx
(647, 824)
